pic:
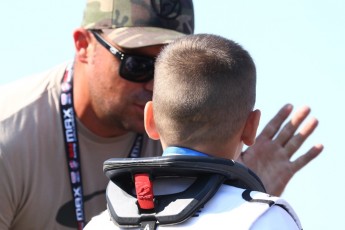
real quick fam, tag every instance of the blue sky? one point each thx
(298, 47)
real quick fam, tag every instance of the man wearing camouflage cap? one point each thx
(99, 116)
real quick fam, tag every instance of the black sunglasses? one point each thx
(133, 67)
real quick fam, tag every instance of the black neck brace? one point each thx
(210, 174)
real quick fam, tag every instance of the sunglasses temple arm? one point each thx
(111, 48)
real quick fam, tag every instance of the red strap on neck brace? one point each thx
(144, 191)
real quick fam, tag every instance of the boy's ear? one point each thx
(250, 128)
(82, 40)
(149, 122)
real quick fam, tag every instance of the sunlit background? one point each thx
(298, 47)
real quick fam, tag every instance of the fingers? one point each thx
(296, 141)
(306, 158)
(290, 128)
(275, 123)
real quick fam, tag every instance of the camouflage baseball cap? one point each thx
(140, 23)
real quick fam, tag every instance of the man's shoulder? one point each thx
(21, 93)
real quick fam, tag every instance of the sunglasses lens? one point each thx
(137, 69)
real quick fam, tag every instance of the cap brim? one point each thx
(135, 37)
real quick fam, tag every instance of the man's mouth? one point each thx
(141, 106)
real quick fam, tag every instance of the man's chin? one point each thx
(135, 125)
(137, 129)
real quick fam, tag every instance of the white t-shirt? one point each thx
(225, 210)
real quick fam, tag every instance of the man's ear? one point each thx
(250, 128)
(82, 41)
(149, 122)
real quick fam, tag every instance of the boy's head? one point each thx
(203, 97)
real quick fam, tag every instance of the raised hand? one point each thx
(270, 156)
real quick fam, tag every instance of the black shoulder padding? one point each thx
(173, 208)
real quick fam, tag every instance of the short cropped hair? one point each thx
(204, 90)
